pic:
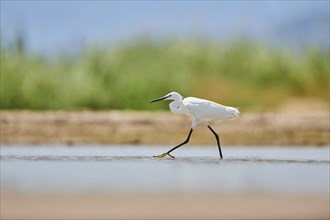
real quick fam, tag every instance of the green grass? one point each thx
(240, 73)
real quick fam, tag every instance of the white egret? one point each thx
(201, 111)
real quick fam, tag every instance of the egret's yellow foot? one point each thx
(164, 154)
(161, 155)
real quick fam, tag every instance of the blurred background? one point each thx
(119, 55)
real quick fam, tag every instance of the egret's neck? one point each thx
(177, 107)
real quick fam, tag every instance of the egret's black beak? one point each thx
(160, 99)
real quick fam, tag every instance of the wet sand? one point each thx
(128, 127)
(162, 206)
(118, 182)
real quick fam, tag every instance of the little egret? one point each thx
(200, 110)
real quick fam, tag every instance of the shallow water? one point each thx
(196, 169)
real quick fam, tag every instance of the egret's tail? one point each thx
(234, 112)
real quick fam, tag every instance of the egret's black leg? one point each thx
(183, 143)
(218, 140)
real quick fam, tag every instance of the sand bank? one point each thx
(129, 127)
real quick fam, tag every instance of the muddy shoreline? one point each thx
(162, 206)
(161, 128)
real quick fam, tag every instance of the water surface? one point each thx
(294, 170)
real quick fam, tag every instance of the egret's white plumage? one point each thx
(201, 110)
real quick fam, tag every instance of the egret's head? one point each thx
(171, 96)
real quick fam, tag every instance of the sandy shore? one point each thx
(128, 127)
(162, 206)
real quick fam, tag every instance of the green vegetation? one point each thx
(240, 73)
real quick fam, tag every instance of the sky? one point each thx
(53, 26)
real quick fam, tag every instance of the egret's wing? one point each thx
(205, 109)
